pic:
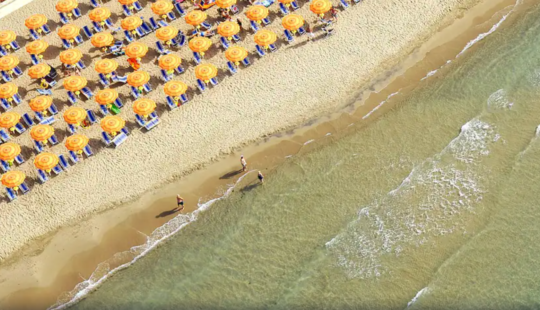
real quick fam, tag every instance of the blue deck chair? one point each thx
(161, 49)
(171, 104)
(71, 97)
(53, 109)
(224, 42)
(181, 39)
(24, 188)
(128, 36)
(17, 99)
(42, 91)
(288, 36)
(165, 76)
(103, 79)
(110, 25)
(344, 4)
(294, 5)
(146, 27)
(254, 26)
(87, 32)
(137, 6)
(162, 23)
(153, 23)
(206, 25)
(171, 16)
(214, 81)
(246, 62)
(140, 32)
(266, 21)
(5, 104)
(201, 86)
(119, 139)
(11, 194)
(80, 65)
(179, 9)
(19, 159)
(34, 58)
(63, 162)
(272, 47)
(46, 29)
(72, 129)
(15, 45)
(27, 120)
(38, 146)
(87, 92)
(301, 31)
(103, 110)
(39, 116)
(135, 93)
(91, 117)
(140, 120)
(19, 128)
(5, 166)
(17, 71)
(77, 12)
(197, 57)
(118, 103)
(283, 9)
(53, 140)
(63, 18)
(126, 10)
(94, 3)
(121, 79)
(42, 176)
(105, 138)
(4, 136)
(236, 37)
(6, 76)
(57, 169)
(125, 130)
(97, 26)
(259, 50)
(179, 69)
(66, 44)
(147, 88)
(151, 124)
(73, 157)
(184, 98)
(47, 120)
(34, 35)
(232, 68)
(79, 40)
(88, 151)
(3, 51)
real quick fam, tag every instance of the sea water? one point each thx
(434, 205)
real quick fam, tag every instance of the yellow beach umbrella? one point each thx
(175, 88)
(13, 179)
(74, 83)
(265, 37)
(206, 72)
(106, 66)
(40, 103)
(144, 106)
(225, 3)
(112, 124)
(320, 6)
(35, 21)
(228, 29)
(170, 61)
(66, 6)
(75, 115)
(166, 33)
(8, 90)
(138, 78)
(131, 23)
(257, 13)
(106, 96)
(71, 56)
(41, 132)
(76, 142)
(102, 39)
(195, 18)
(8, 120)
(136, 50)
(8, 62)
(292, 22)
(36, 47)
(46, 161)
(99, 14)
(200, 44)
(7, 36)
(38, 71)
(236, 54)
(162, 7)
(9, 150)
(69, 31)
(126, 2)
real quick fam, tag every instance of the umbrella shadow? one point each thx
(52, 52)
(97, 145)
(168, 212)
(231, 174)
(85, 8)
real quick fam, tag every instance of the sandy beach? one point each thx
(281, 91)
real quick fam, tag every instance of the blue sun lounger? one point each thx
(288, 36)
(260, 50)
(294, 5)
(224, 42)
(63, 162)
(73, 157)
(34, 35)
(232, 68)
(11, 194)
(87, 32)
(201, 86)
(42, 176)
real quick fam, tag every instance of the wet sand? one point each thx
(117, 230)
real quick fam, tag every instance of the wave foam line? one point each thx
(84, 288)
(415, 298)
(380, 105)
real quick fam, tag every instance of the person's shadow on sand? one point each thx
(231, 174)
(167, 213)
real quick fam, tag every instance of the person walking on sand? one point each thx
(243, 162)
(261, 177)
(179, 202)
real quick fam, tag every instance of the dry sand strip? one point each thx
(278, 92)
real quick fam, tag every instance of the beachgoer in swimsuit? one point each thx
(243, 162)
(180, 202)
(261, 177)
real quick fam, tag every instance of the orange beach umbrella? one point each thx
(40, 103)
(175, 88)
(136, 50)
(13, 179)
(7, 36)
(68, 31)
(126, 2)
(8, 62)
(9, 120)
(75, 115)
(170, 62)
(36, 47)
(228, 29)
(106, 66)
(41, 132)
(8, 90)
(99, 14)
(112, 124)
(195, 18)
(38, 71)
(200, 44)
(236, 54)
(162, 7)
(46, 161)
(286, 2)
(205, 72)
(74, 83)
(131, 23)
(320, 6)
(102, 39)
(225, 3)
(9, 150)
(66, 6)
(138, 78)
(35, 21)
(265, 37)
(106, 96)
(257, 13)
(76, 142)
(166, 33)
(70, 56)
(292, 22)
(144, 106)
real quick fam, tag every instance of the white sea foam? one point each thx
(380, 105)
(420, 293)
(158, 236)
(425, 205)
(430, 73)
(309, 141)
(482, 36)
(498, 101)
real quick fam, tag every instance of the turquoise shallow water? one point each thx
(434, 205)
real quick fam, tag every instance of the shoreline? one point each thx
(139, 210)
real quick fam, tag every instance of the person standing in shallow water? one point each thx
(243, 162)
(179, 202)
(261, 177)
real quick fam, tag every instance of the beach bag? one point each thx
(114, 110)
